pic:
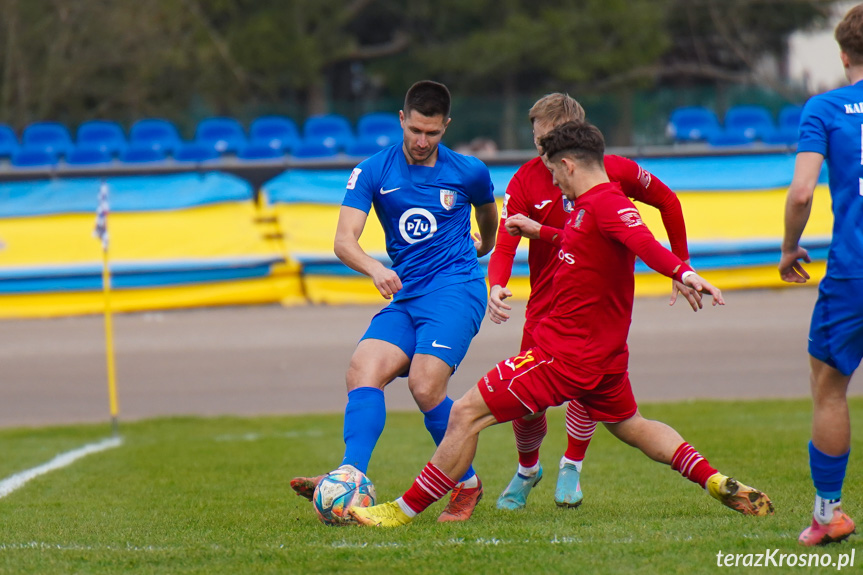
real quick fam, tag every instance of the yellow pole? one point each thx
(109, 341)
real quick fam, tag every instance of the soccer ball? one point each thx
(340, 489)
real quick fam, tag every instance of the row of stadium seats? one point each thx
(742, 125)
(155, 140)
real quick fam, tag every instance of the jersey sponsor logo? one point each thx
(516, 362)
(447, 199)
(385, 192)
(644, 177)
(436, 344)
(630, 217)
(579, 217)
(855, 108)
(566, 257)
(352, 181)
(542, 204)
(417, 224)
(567, 204)
(503, 212)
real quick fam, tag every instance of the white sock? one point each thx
(528, 471)
(564, 461)
(471, 483)
(405, 508)
(824, 509)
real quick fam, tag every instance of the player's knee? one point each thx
(470, 413)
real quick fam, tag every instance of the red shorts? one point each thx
(533, 381)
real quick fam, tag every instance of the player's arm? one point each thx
(503, 257)
(486, 220)
(645, 187)
(798, 206)
(347, 249)
(523, 226)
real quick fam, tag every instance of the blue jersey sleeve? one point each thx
(481, 189)
(813, 132)
(361, 188)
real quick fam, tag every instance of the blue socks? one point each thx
(365, 416)
(828, 472)
(436, 420)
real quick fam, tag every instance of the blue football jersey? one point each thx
(425, 213)
(832, 125)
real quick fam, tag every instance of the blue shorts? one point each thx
(441, 323)
(836, 332)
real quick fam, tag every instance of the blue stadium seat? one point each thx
(366, 146)
(383, 127)
(50, 136)
(195, 152)
(225, 135)
(8, 141)
(331, 130)
(38, 157)
(142, 154)
(278, 132)
(312, 150)
(88, 156)
(754, 122)
(157, 133)
(788, 129)
(692, 124)
(102, 134)
(260, 151)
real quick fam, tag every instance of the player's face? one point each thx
(562, 176)
(422, 134)
(540, 129)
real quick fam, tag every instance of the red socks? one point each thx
(691, 464)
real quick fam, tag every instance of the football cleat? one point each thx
(462, 502)
(305, 486)
(739, 497)
(387, 514)
(839, 528)
(568, 491)
(515, 494)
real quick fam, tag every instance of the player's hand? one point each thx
(790, 268)
(477, 243)
(700, 284)
(387, 281)
(692, 296)
(497, 310)
(521, 225)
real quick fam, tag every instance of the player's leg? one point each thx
(529, 432)
(579, 432)
(611, 401)
(835, 348)
(828, 455)
(446, 321)
(492, 400)
(374, 363)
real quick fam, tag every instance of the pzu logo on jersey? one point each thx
(416, 225)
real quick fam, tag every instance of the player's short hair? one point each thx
(578, 140)
(555, 109)
(849, 35)
(429, 99)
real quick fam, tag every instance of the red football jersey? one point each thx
(594, 285)
(532, 193)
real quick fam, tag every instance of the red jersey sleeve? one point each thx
(503, 256)
(619, 219)
(642, 186)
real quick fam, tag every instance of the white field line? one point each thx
(18, 480)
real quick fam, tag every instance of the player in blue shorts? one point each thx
(831, 128)
(422, 193)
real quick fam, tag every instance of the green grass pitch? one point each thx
(193, 495)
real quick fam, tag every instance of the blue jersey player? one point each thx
(422, 193)
(831, 128)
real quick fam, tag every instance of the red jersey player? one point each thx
(581, 350)
(532, 193)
